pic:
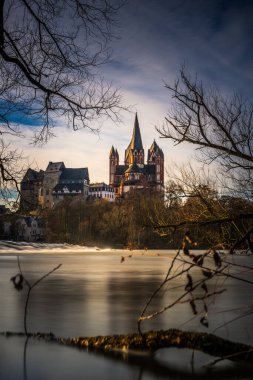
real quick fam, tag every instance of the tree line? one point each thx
(151, 219)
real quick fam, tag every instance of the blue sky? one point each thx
(213, 38)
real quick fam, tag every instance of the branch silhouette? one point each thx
(19, 280)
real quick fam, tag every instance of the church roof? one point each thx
(112, 151)
(120, 169)
(133, 168)
(136, 141)
(155, 149)
(146, 169)
(149, 169)
(154, 146)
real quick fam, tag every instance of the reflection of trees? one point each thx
(143, 364)
(25, 359)
(125, 292)
(57, 304)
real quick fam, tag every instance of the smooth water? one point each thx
(96, 292)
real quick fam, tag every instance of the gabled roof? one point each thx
(120, 169)
(133, 168)
(98, 184)
(155, 149)
(149, 169)
(74, 174)
(33, 175)
(146, 169)
(55, 166)
(113, 152)
(62, 188)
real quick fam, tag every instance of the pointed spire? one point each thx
(135, 146)
(112, 151)
(155, 149)
(136, 142)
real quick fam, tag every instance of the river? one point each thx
(100, 292)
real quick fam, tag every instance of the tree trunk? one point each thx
(154, 340)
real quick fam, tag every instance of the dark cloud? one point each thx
(212, 37)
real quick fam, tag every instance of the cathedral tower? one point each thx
(135, 152)
(156, 157)
(135, 174)
(113, 162)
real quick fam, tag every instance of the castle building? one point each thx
(50, 180)
(72, 183)
(134, 173)
(44, 189)
(30, 190)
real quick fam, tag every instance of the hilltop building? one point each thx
(134, 173)
(72, 183)
(101, 190)
(30, 190)
(51, 178)
(44, 189)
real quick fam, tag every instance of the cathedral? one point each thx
(135, 174)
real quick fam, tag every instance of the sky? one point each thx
(213, 38)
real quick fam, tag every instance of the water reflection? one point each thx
(47, 360)
(88, 295)
(96, 294)
(25, 359)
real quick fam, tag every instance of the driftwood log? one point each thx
(154, 340)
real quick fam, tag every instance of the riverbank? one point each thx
(12, 247)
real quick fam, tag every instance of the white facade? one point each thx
(101, 190)
(29, 229)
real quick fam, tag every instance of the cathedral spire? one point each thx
(112, 151)
(136, 142)
(135, 146)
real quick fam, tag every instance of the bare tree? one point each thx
(195, 203)
(50, 56)
(50, 53)
(221, 128)
(12, 164)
